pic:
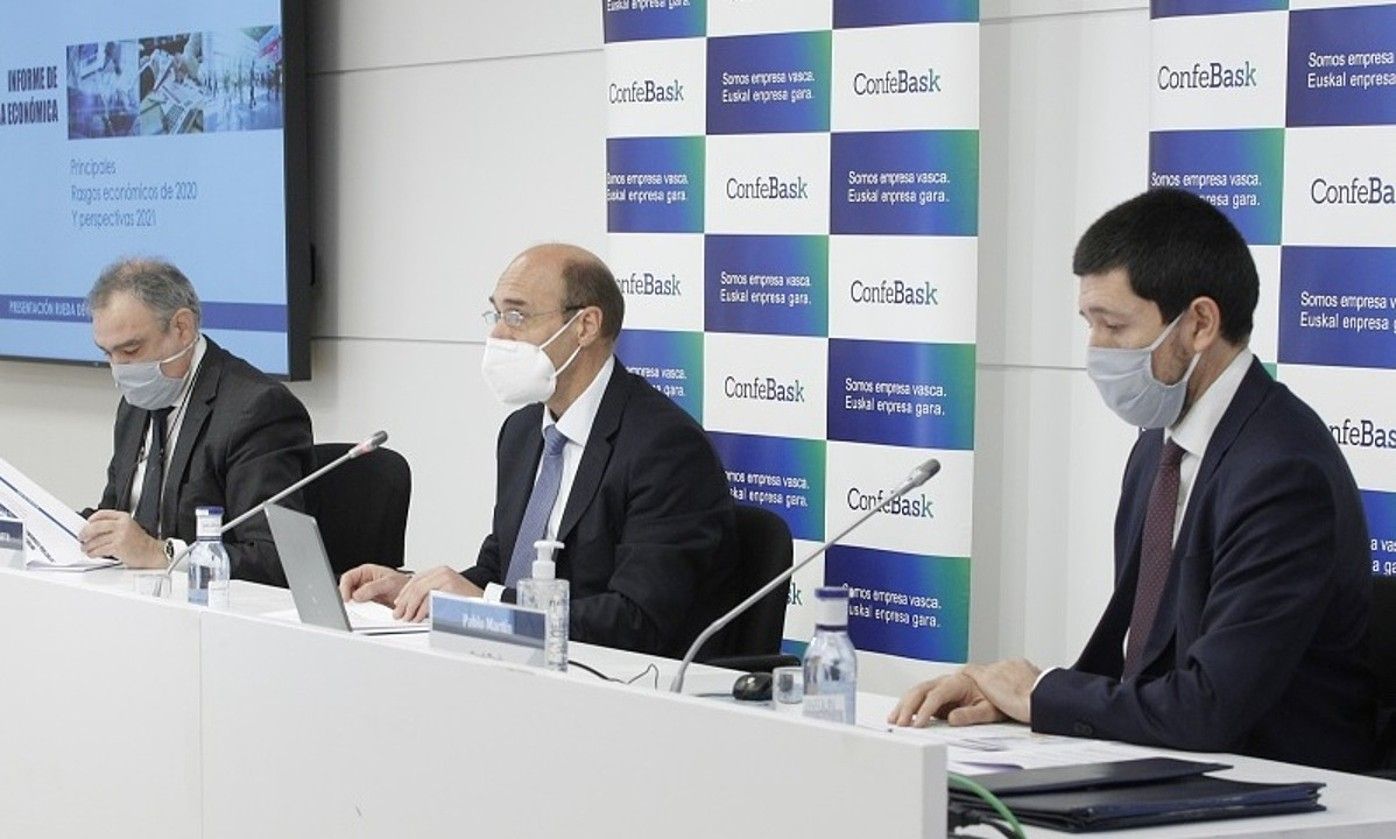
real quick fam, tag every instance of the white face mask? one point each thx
(520, 373)
(145, 385)
(1125, 379)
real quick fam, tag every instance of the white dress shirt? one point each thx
(575, 424)
(1194, 431)
(173, 423)
(1192, 434)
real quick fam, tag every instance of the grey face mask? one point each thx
(1125, 379)
(145, 385)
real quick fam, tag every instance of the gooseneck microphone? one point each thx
(918, 476)
(363, 448)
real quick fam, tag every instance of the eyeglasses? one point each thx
(514, 319)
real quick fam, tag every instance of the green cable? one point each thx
(964, 782)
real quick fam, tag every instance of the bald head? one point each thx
(553, 256)
(568, 278)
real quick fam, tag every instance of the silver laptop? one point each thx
(313, 584)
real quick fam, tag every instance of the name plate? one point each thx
(11, 539)
(498, 631)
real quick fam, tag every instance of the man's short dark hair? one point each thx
(1175, 247)
(156, 283)
(590, 283)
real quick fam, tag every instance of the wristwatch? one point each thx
(169, 549)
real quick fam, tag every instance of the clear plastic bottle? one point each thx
(831, 663)
(546, 593)
(209, 569)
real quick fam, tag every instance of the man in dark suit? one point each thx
(1242, 562)
(598, 460)
(197, 426)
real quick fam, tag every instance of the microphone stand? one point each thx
(918, 477)
(361, 449)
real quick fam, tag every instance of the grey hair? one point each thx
(155, 282)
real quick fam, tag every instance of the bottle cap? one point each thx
(543, 567)
(831, 606)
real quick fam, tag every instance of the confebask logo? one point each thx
(896, 82)
(647, 284)
(1210, 76)
(764, 389)
(645, 91)
(912, 506)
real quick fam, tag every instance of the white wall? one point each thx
(1064, 136)
(449, 134)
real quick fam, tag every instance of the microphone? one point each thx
(918, 476)
(359, 450)
(365, 447)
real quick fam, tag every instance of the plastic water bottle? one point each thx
(551, 596)
(209, 569)
(831, 663)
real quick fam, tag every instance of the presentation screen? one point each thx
(161, 128)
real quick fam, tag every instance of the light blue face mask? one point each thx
(1125, 379)
(145, 385)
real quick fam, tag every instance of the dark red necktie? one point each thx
(1155, 555)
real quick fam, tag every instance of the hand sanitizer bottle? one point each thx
(551, 596)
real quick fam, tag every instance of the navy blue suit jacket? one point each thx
(649, 528)
(1258, 647)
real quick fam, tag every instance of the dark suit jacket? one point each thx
(244, 438)
(1258, 644)
(649, 527)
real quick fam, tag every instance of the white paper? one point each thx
(368, 618)
(51, 527)
(1001, 747)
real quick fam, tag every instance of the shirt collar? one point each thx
(575, 423)
(1194, 430)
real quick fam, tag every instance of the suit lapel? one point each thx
(1104, 654)
(1248, 397)
(596, 453)
(191, 429)
(1243, 404)
(131, 423)
(1150, 445)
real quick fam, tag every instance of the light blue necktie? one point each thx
(540, 507)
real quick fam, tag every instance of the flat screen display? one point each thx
(164, 128)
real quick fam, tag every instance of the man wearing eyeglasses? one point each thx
(613, 469)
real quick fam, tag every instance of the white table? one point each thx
(99, 712)
(285, 730)
(128, 716)
(1358, 806)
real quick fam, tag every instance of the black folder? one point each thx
(1134, 793)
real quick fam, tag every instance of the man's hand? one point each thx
(1007, 685)
(414, 602)
(372, 582)
(114, 533)
(956, 699)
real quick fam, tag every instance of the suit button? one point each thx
(1081, 729)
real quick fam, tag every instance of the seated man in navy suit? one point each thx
(596, 459)
(1242, 562)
